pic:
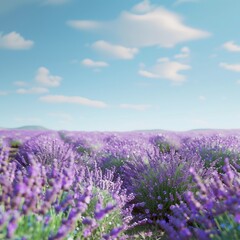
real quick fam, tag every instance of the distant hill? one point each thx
(30, 127)
(153, 130)
(214, 130)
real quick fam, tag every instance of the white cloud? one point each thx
(20, 83)
(3, 93)
(34, 90)
(44, 78)
(56, 2)
(93, 64)
(231, 46)
(142, 7)
(231, 67)
(114, 51)
(138, 107)
(184, 53)
(161, 60)
(73, 100)
(155, 26)
(238, 81)
(147, 74)
(83, 24)
(166, 70)
(14, 41)
(179, 2)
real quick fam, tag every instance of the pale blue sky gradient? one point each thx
(120, 65)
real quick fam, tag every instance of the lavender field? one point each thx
(109, 185)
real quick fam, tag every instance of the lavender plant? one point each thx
(79, 143)
(59, 201)
(159, 182)
(117, 150)
(163, 144)
(212, 213)
(45, 149)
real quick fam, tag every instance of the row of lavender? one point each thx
(139, 185)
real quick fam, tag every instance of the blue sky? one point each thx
(120, 65)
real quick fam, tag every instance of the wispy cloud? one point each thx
(84, 24)
(160, 27)
(73, 100)
(231, 46)
(184, 53)
(43, 81)
(166, 69)
(143, 7)
(147, 74)
(93, 64)
(14, 41)
(138, 107)
(44, 78)
(114, 51)
(231, 67)
(34, 90)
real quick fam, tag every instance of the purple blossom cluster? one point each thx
(214, 149)
(19, 136)
(52, 187)
(159, 181)
(212, 212)
(45, 148)
(117, 150)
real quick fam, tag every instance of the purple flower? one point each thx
(115, 232)
(237, 217)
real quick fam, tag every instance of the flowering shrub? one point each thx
(116, 151)
(159, 182)
(60, 201)
(45, 149)
(212, 213)
(163, 144)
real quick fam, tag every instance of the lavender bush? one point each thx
(60, 201)
(159, 181)
(45, 148)
(117, 150)
(164, 144)
(212, 213)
